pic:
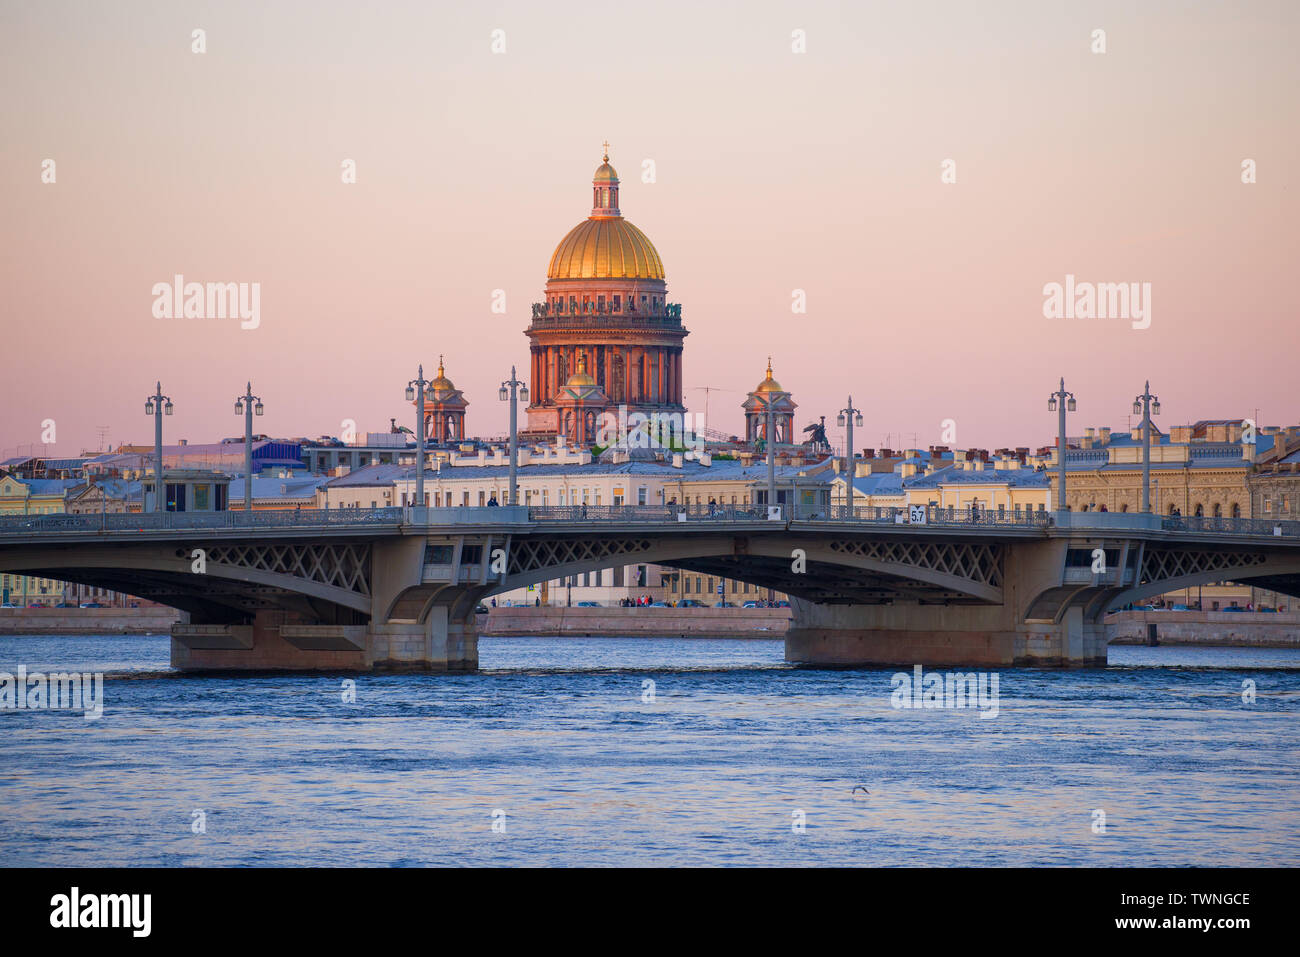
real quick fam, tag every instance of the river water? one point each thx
(734, 759)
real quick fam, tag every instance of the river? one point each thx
(560, 752)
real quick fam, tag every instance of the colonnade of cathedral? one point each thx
(639, 374)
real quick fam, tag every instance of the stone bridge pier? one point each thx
(413, 626)
(959, 632)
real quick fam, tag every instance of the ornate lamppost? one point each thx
(245, 406)
(850, 416)
(415, 393)
(1146, 405)
(513, 391)
(1061, 400)
(154, 405)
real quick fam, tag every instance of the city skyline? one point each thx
(924, 298)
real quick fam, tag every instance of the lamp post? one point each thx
(1066, 401)
(1146, 405)
(248, 405)
(415, 393)
(157, 405)
(514, 392)
(850, 416)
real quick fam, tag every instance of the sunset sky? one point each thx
(776, 171)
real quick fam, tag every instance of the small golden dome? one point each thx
(769, 384)
(441, 383)
(580, 379)
(605, 173)
(605, 248)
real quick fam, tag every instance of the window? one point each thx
(464, 498)
(471, 554)
(438, 554)
(482, 498)
(641, 496)
(202, 497)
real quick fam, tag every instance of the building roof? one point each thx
(267, 488)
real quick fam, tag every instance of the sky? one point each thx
(775, 171)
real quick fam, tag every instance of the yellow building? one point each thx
(31, 497)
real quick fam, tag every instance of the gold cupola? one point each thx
(605, 245)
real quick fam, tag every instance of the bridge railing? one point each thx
(151, 521)
(723, 513)
(1238, 526)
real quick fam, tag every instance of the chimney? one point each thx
(706, 459)
(677, 460)
(868, 453)
(909, 468)
(1105, 435)
(1086, 442)
(863, 468)
(746, 459)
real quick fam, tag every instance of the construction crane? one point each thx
(706, 389)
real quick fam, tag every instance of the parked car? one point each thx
(658, 604)
(1233, 608)
(751, 604)
(478, 610)
(8, 605)
(690, 603)
(724, 604)
(1181, 608)
(780, 604)
(95, 604)
(586, 604)
(65, 604)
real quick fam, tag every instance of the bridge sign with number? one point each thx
(916, 514)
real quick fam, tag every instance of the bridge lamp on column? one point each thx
(1062, 401)
(156, 405)
(415, 393)
(850, 416)
(248, 405)
(514, 392)
(1146, 405)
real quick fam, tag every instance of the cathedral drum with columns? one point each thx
(606, 317)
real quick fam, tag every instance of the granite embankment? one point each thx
(549, 622)
(87, 621)
(1246, 629)
(1243, 629)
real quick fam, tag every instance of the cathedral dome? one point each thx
(605, 246)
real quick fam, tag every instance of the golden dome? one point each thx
(605, 248)
(580, 379)
(769, 384)
(442, 383)
(605, 173)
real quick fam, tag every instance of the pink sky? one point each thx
(776, 172)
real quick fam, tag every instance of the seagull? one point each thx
(859, 787)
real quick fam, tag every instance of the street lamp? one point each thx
(415, 393)
(1064, 401)
(850, 416)
(244, 405)
(157, 405)
(514, 392)
(1146, 405)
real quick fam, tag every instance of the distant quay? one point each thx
(643, 622)
(88, 621)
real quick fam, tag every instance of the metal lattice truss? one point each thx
(341, 565)
(1160, 564)
(980, 563)
(529, 555)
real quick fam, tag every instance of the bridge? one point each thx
(397, 588)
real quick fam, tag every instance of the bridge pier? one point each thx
(277, 642)
(958, 632)
(937, 635)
